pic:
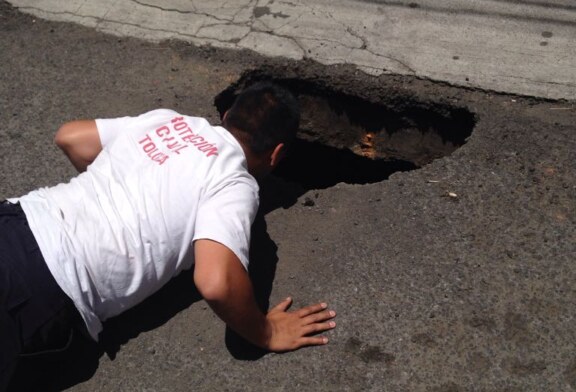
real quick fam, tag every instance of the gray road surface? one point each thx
(522, 47)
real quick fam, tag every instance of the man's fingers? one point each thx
(318, 327)
(308, 310)
(317, 317)
(312, 341)
(283, 306)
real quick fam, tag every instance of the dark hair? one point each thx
(263, 116)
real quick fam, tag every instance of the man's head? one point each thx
(264, 118)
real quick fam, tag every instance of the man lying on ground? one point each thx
(156, 194)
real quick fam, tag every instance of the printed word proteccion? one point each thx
(175, 139)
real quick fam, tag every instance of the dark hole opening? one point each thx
(345, 138)
(317, 166)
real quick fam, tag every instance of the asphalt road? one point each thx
(458, 276)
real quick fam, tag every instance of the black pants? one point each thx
(36, 316)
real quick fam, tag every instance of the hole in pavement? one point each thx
(346, 138)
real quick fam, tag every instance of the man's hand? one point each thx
(226, 287)
(292, 330)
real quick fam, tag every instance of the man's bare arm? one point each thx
(80, 142)
(226, 286)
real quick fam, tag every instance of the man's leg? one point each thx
(38, 315)
(9, 342)
(13, 294)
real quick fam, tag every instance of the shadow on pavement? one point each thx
(263, 260)
(57, 372)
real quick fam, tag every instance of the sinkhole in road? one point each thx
(346, 138)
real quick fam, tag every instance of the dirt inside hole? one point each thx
(345, 138)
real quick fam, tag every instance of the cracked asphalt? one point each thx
(458, 276)
(520, 47)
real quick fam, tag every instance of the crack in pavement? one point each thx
(162, 8)
(295, 38)
(100, 20)
(256, 17)
(364, 46)
(195, 11)
(540, 81)
(400, 62)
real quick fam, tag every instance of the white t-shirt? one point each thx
(118, 232)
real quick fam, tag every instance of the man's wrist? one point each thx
(263, 334)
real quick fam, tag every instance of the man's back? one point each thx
(118, 232)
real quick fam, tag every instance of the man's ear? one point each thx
(277, 155)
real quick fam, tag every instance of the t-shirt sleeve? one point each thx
(110, 128)
(227, 216)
